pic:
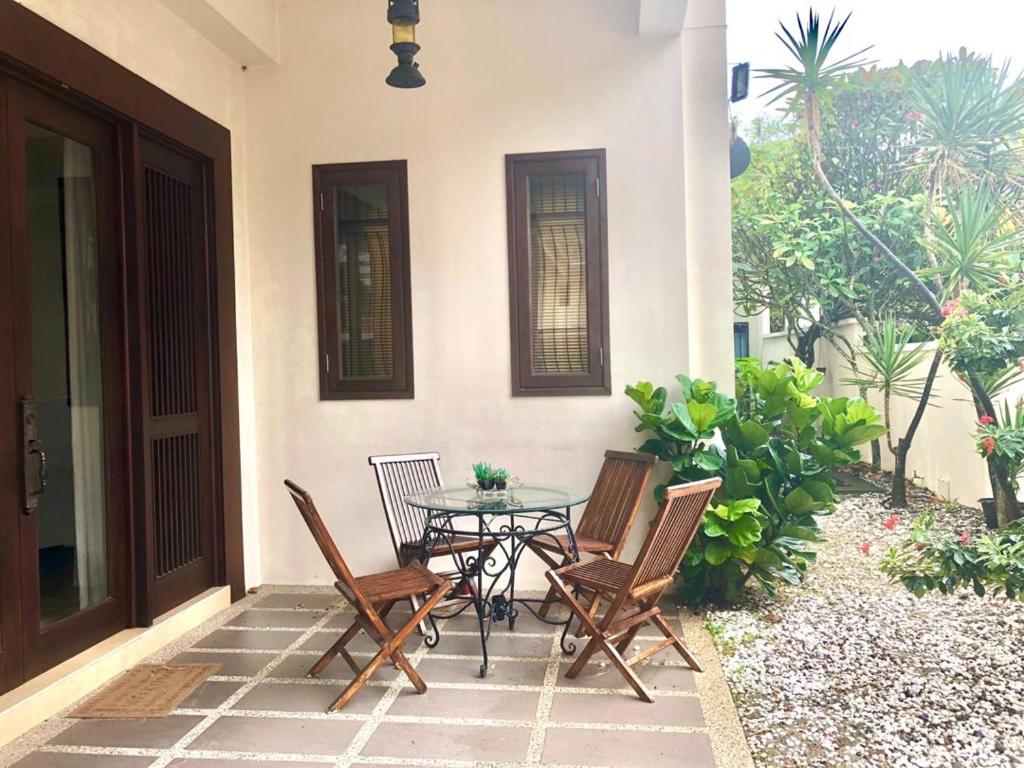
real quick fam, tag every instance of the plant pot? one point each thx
(501, 484)
(485, 485)
(988, 506)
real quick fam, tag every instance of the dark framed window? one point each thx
(558, 273)
(362, 267)
(741, 339)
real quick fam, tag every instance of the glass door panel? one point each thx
(67, 372)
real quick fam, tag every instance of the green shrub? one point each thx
(940, 560)
(779, 444)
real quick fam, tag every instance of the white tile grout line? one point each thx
(538, 725)
(178, 749)
(376, 717)
(547, 695)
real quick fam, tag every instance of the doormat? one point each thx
(148, 690)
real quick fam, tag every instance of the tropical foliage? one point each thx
(950, 139)
(934, 559)
(779, 445)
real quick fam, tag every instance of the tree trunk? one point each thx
(876, 455)
(899, 477)
(898, 497)
(805, 345)
(1007, 507)
(1007, 510)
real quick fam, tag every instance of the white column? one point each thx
(706, 183)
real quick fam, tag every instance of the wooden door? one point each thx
(64, 514)
(175, 359)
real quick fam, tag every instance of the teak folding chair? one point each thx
(634, 590)
(607, 519)
(372, 597)
(398, 476)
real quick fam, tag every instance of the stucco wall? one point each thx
(145, 37)
(502, 78)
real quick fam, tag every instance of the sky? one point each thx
(897, 29)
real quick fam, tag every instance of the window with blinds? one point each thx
(558, 273)
(363, 276)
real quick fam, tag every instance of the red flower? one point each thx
(965, 538)
(986, 419)
(891, 522)
(1021, 367)
(988, 444)
(952, 307)
(917, 117)
(865, 548)
(1003, 279)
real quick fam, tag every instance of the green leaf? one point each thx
(744, 532)
(708, 460)
(712, 527)
(702, 415)
(863, 433)
(683, 414)
(717, 551)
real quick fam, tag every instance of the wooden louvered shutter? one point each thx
(558, 273)
(176, 387)
(363, 299)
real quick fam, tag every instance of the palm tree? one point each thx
(973, 120)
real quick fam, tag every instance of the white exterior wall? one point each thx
(147, 38)
(501, 78)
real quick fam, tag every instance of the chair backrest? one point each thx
(323, 539)
(397, 477)
(673, 529)
(616, 498)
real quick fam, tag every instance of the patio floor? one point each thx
(260, 710)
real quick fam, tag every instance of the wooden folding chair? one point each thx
(607, 519)
(634, 590)
(372, 597)
(400, 475)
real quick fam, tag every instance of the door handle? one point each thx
(37, 450)
(34, 468)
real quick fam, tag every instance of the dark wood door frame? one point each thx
(46, 647)
(33, 49)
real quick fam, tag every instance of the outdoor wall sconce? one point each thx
(403, 16)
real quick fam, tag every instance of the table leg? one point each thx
(478, 599)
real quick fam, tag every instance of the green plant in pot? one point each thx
(500, 477)
(484, 475)
(780, 444)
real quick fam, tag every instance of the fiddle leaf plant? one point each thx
(779, 444)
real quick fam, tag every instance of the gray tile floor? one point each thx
(260, 711)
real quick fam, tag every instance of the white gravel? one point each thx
(850, 670)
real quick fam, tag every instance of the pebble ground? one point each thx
(852, 670)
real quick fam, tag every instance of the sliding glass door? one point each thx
(66, 353)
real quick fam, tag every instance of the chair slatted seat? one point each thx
(400, 475)
(607, 519)
(372, 597)
(634, 590)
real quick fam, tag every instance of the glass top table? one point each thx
(514, 500)
(485, 533)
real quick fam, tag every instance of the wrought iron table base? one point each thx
(485, 573)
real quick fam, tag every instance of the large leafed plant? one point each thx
(779, 444)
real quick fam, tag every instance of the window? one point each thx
(362, 263)
(558, 273)
(741, 340)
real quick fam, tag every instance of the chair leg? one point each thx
(677, 643)
(585, 620)
(595, 604)
(551, 594)
(334, 650)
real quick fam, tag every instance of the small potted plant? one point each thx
(500, 476)
(484, 475)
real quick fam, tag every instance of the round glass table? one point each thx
(485, 533)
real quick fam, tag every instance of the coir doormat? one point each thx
(148, 690)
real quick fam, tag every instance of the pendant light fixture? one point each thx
(403, 16)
